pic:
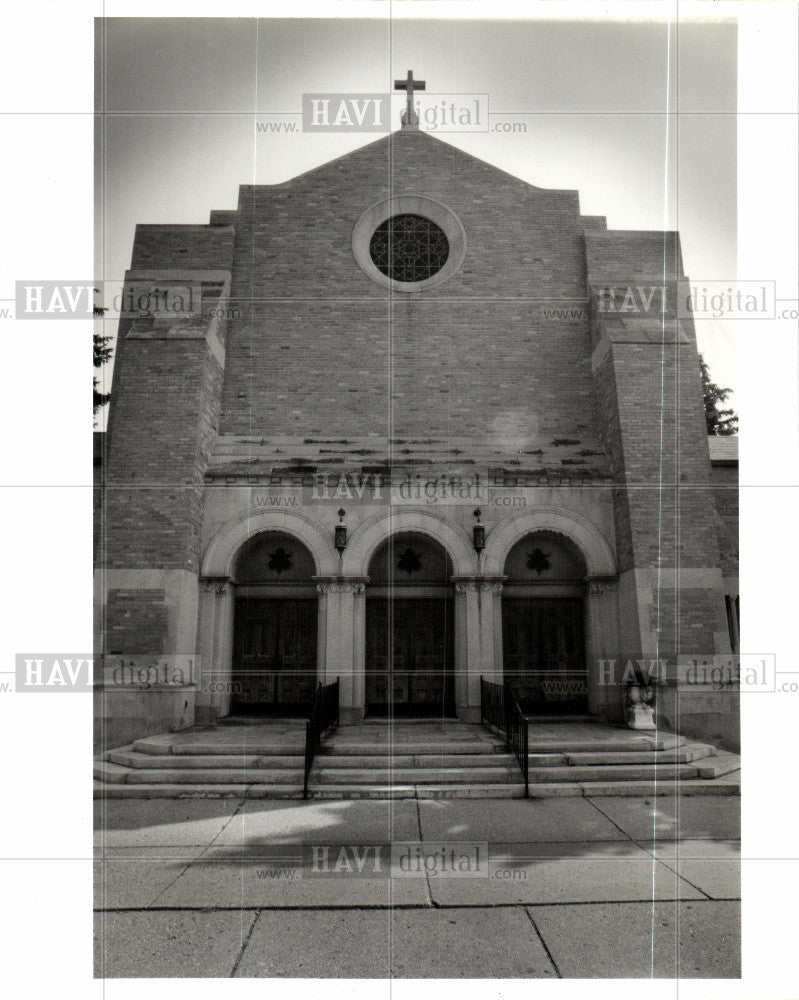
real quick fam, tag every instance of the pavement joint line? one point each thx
(430, 901)
(227, 824)
(368, 908)
(544, 945)
(166, 888)
(246, 940)
(102, 855)
(684, 877)
(608, 818)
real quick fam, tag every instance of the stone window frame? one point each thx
(437, 213)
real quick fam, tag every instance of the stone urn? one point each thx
(640, 709)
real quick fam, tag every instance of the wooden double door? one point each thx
(274, 655)
(543, 645)
(410, 657)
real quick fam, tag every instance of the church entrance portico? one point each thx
(410, 630)
(408, 617)
(275, 639)
(543, 630)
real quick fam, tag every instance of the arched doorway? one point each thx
(275, 634)
(409, 629)
(543, 624)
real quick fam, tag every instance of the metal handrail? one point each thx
(324, 715)
(499, 707)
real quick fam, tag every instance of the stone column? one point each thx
(215, 643)
(476, 601)
(602, 644)
(341, 618)
(491, 630)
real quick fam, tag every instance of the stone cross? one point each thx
(409, 85)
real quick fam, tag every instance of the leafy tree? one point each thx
(719, 421)
(102, 353)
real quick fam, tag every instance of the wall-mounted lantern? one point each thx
(479, 533)
(341, 532)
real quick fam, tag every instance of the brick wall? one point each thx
(725, 480)
(162, 426)
(161, 431)
(648, 385)
(474, 358)
(135, 621)
(182, 247)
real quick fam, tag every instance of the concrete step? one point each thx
(258, 720)
(719, 765)
(606, 745)
(103, 770)
(341, 747)
(163, 745)
(222, 776)
(158, 791)
(410, 760)
(621, 772)
(727, 785)
(237, 761)
(492, 790)
(681, 755)
(414, 775)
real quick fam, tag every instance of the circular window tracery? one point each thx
(409, 248)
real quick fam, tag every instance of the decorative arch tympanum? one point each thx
(275, 626)
(409, 648)
(543, 623)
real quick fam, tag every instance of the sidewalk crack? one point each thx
(244, 943)
(543, 942)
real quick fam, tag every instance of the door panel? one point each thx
(544, 653)
(274, 655)
(409, 656)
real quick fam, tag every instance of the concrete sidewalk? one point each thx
(589, 887)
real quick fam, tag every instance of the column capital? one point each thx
(341, 584)
(601, 584)
(473, 584)
(216, 584)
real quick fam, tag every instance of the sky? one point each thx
(637, 117)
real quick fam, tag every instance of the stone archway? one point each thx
(372, 533)
(363, 545)
(543, 624)
(275, 627)
(600, 618)
(409, 629)
(597, 552)
(221, 552)
(217, 599)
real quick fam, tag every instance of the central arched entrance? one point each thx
(275, 633)
(543, 624)
(409, 629)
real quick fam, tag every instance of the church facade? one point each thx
(409, 421)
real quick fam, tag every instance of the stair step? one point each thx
(103, 770)
(410, 760)
(229, 776)
(236, 761)
(157, 791)
(547, 760)
(608, 745)
(341, 747)
(158, 747)
(259, 720)
(442, 791)
(682, 755)
(606, 772)
(646, 789)
(719, 765)
(416, 775)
